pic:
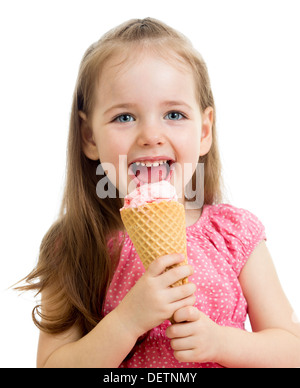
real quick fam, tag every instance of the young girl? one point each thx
(143, 98)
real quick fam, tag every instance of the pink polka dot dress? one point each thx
(218, 246)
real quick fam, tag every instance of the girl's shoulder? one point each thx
(226, 218)
(229, 229)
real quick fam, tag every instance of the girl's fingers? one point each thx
(174, 274)
(187, 314)
(157, 267)
(188, 301)
(185, 343)
(181, 292)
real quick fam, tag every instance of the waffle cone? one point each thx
(157, 229)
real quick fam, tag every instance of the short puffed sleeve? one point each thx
(239, 230)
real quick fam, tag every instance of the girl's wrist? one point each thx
(127, 323)
(221, 349)
(233, 343)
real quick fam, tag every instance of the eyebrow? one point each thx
(120, 106)
(132, 105)
(176, 103)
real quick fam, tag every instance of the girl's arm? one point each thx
(275, 340)
(147, 304)
(105, 346)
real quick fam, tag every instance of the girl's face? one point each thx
(146, 119)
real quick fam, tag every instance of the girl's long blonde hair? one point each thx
(75, 263)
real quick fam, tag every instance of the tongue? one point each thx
(152, 174)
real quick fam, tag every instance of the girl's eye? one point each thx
(125, 118)
(174, 116)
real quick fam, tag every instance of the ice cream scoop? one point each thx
(148, 193)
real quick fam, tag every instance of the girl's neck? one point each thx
(192, 216)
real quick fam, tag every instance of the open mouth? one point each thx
(151, 171)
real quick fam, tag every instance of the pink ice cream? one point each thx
(152, 192)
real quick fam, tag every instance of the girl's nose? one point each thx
(150, 135)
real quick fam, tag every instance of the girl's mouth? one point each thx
(147, 171)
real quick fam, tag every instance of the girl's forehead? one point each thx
(127, 68)
(121, 61)
(132, 76)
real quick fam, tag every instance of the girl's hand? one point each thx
(151, 300)
(196, 338)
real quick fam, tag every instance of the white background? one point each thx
(252, 52)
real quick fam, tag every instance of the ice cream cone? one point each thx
(157, 229)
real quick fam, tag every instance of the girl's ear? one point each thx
(206, 133)
(87, 139)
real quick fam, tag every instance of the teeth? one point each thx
(151, 164)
